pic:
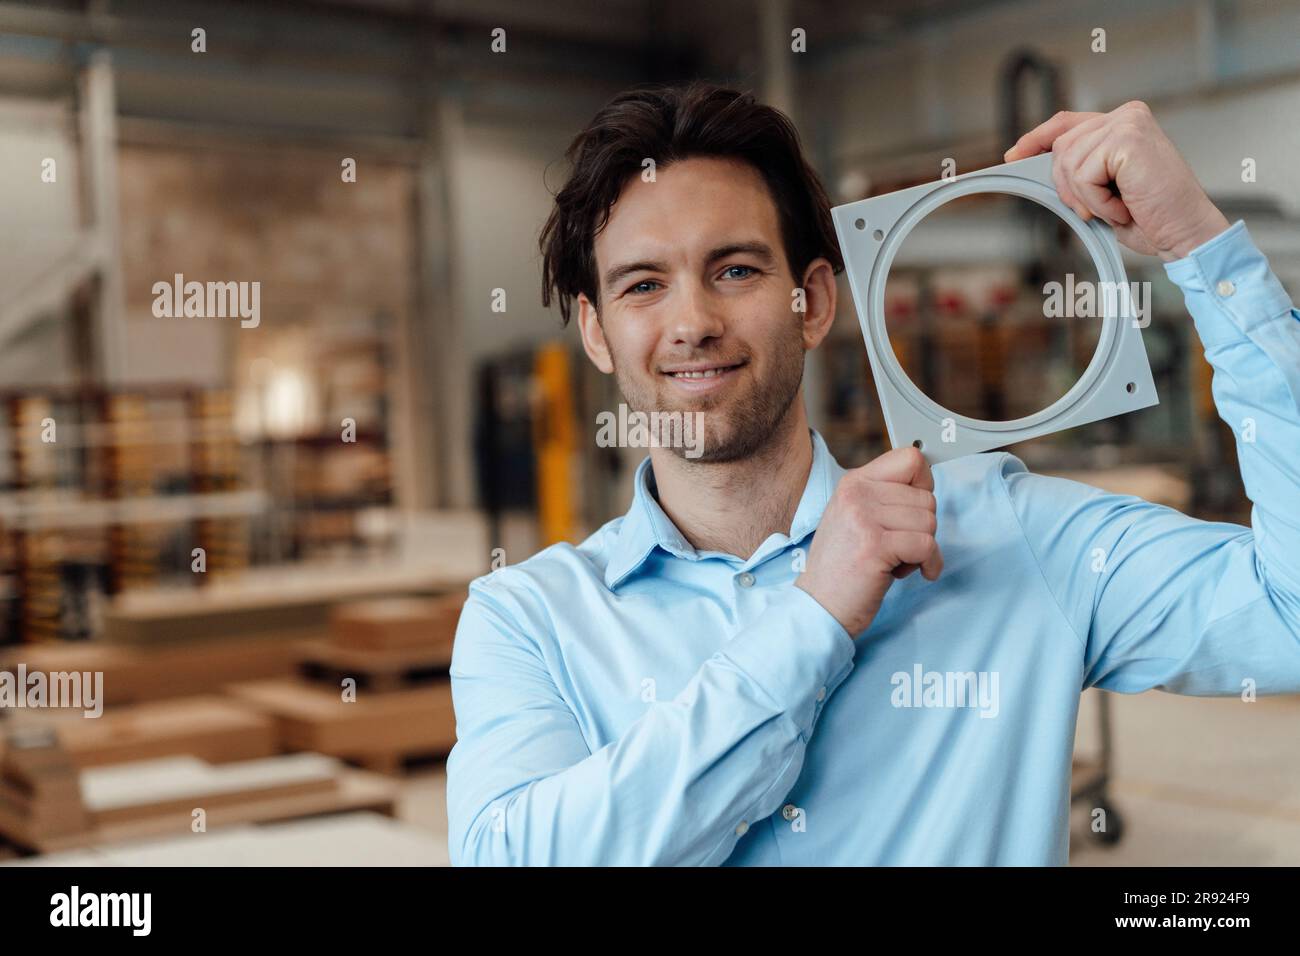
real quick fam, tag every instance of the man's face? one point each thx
(695, 310)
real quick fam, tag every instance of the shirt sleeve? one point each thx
(1161, 600)
(679, 787)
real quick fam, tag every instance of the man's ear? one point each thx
(593, 336)
(819, 302)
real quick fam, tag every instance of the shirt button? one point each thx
(1226, 288)
(789, 811)
(821, 694)
(742, 828)
(745, 579)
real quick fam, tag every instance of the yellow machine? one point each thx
(555, 439)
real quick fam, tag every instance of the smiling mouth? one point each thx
(703, 372)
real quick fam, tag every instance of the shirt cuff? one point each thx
(1229, 275)
(795, 650)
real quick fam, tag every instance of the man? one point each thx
(706, 680)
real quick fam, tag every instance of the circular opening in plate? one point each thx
(992, 308)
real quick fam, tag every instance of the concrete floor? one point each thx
(424, 804)
(1199, 782)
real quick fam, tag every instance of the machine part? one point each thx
(1117, 380)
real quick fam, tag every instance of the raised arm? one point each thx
(1159, 599)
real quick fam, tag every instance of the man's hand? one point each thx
(878, 526)
(1160, 208)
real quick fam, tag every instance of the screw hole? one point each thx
(1131, 387)
(877, 235)
(860, 223)
(918, 444)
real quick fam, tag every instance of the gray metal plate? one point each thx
(1117, 380)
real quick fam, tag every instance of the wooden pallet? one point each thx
(379, 730)
(328, 663)
(397, 623)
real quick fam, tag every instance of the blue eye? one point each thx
(633, 290)
(748, 269)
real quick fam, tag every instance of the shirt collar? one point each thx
(646, 526)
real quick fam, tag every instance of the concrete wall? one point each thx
(327, 253)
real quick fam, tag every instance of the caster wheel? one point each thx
(1114, 831)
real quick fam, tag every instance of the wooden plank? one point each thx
(146, 788)
(297, 585)
(356, 790)
(41, 814)
(154, 673)
(397, 623)
(214, 729)
(39, 784)
(350, 840)
(416, 721)
(362, 837)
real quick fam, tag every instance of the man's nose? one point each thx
(698, 318)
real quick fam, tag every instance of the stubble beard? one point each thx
(736, 426)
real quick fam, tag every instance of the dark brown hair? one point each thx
(668, 123)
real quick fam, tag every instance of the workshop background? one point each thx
(229, 519)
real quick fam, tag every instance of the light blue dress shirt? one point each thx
(634, 701)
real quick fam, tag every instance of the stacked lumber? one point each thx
(39, 784)
(377, 691)
(152, 798)
(376, 730)
(133, 674)
(398, 623)
(361, 838)
(178, 785)
(215, 729)
(386, 644)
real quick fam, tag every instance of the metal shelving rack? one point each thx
(98, 510)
